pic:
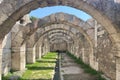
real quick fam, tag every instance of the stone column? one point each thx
(118, 61)
(18, 58)
(30, 52)
(83, 55)
(23, 56)
(0, 63)
(77, 48)
(93, 60)
(117, 68)
(47, 46)
(91, 57)
(37, 51)
(43, 50)
(71, 45)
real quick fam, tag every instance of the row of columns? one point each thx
(23, 55)
(85, 53)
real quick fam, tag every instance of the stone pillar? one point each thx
(76, 48)
(83, 55)
(93, 60)
(71, 47)
(96, 33)
(118, 62)
(43, 50)
(0, 63)
(23, 56)
(117, 68)
(37, 51)
(18, 58)
(30, 55)
(76, 51)
(47, 46)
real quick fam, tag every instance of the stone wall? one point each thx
(104, 51)
(111, 8)
(59, 46)
(106, 54)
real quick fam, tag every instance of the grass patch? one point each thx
(86, 67)
(7, 76)
(42, 69)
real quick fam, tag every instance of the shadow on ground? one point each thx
(40, 68)
(48, 58)
(43, 61)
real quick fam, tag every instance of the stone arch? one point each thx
(51, 30)
(61, 18)
(78, 54)
(31, 45)
(52, 27)
(54, 46)
(65, 35)
(77, 27)
(64, 27)
(79, 4)
(45, 33)
(26, 6)
(64, 19)
(60, 41)
(58, 33)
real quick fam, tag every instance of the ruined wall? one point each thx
(104, 51)
(106, 54)
(111, 8)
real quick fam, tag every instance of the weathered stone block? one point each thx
(30, 55)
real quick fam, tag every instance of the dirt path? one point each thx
(72, 71)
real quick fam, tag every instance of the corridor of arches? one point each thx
(96, 41)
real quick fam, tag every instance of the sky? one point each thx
(42, 12)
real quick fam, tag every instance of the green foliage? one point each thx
(7, 76)
(86, 67)
(32, 18)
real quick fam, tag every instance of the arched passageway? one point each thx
(11, 15)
